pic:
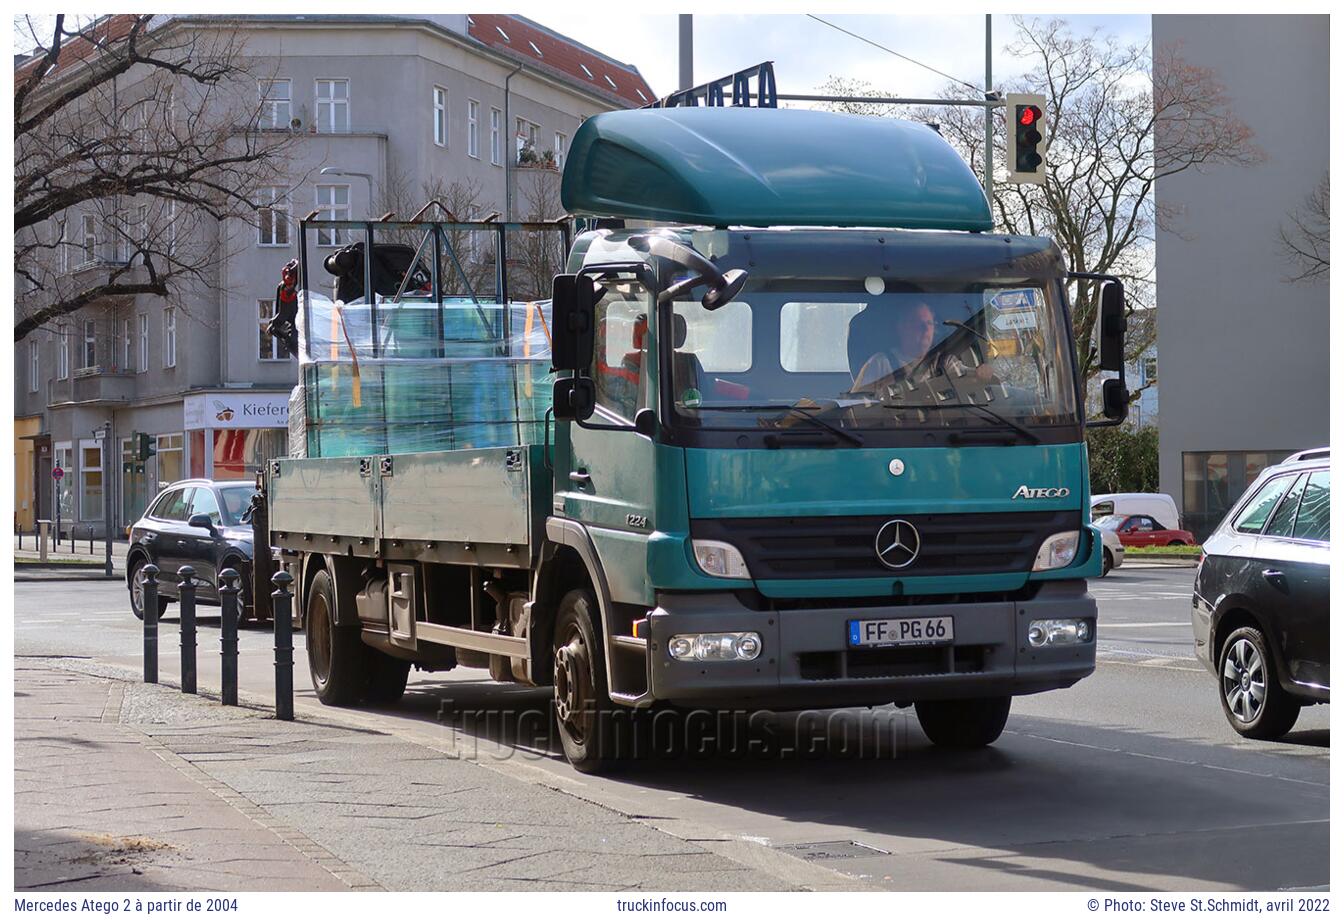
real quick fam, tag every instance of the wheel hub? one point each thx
(568, 689)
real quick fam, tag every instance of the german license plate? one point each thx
(905, 631)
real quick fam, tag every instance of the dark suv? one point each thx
(199, 523)
(1261, 609)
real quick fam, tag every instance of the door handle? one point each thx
(1274, 577)
(581, 477)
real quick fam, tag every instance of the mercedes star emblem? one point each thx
(897, 544)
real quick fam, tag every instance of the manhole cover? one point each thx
(831, 849)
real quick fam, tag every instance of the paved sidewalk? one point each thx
(126, 786)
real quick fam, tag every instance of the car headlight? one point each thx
(1057, 551)
(1041, 633)
(720, 559)
(733, 646)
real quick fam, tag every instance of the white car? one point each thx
(1112, 551)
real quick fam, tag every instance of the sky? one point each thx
(807, 52)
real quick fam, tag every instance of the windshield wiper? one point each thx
(800, 412)
(1006, 422)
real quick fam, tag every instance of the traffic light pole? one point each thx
(107, 499)
(989, 114)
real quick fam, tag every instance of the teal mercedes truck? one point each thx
(796, 430)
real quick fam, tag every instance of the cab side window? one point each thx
(621, 351)
(1313, 515)
(204, 503)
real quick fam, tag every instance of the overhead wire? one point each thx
(904, 57)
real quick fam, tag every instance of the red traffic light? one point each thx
(1028, 114)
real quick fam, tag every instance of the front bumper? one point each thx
(805, 660)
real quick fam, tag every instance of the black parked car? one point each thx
(198, 523)
(1262, 598)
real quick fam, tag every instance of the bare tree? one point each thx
(848, 86)
(134, 136)
(536, 257)
(1305, 242)
(467, 259)
(1117, 121)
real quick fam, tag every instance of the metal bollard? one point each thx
(149, 601)
(284, 645)
(186, 603)
(90, 539)
(43, 536)
(228, 637)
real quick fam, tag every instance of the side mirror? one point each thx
(1114, 400)
(574, 398)
(572, 313)
(1112, 325)
(201, 520)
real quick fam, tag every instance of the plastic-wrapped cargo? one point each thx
(298, 422)
(419, 376)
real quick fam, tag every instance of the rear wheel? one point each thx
(1176, 543)
(137, 590)
(964, 724)
(336, 658)
(1107, 562)
(583, 710)
(1253, 702)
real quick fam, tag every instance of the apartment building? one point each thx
(381, 107)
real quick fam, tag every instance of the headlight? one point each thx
(1041, 633)
(737, 646)
(721, 559)
(1057, 551)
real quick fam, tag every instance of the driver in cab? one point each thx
(910, 357)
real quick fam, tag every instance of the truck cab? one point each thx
(817, 442)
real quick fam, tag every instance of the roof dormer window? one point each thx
(586, 71)
(641, 94)
(504, 35)
(610, 81)
(535, 49)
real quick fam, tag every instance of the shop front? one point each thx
(230, 434)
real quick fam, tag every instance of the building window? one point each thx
(273, 217)
(63, 252)
(641, 94)
(610, 81)
(127, 346)
(560, 144)
(333, 203)
(89, 227)
(269, 348)
(169, 467)
(62, 353)
(504, 35)
(172, 227)
(473, 129)
(63, 489)
(440, 116)
(90, 344)
(34, 366)
(588, 73)
(535, 49)
(496, 141)
(1214, 481)
(169, 337)
(333, 106)
(142, 325)
(275, 103)
(90, 480)
(1150, 370)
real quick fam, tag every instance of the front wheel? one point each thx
(964, 724)
(1253, 702)
(583, 710)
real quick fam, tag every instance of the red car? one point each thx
(1142, 530)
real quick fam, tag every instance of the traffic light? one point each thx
(1026, 138)
(144, 445)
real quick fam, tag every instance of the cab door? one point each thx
(604, 468)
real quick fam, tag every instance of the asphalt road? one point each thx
(1129, 780)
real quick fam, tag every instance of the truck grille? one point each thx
(844, 547)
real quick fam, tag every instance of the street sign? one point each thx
(57, 473)
(99, 434)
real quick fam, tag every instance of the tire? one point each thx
(1176, 543)
(1107, 562)
(1245, 663)
(964, 724)
(586, 718)
(136, 591)
(386, 677)
(336, 656)
(246, 612)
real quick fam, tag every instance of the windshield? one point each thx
(875, 353)
(1109, 521)
(235, 500)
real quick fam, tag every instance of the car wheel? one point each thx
(964, 724)
(336, 658)
(246, 612)
(138, 590)
(1107, 563)
(1176, 543)
(1253, 702)
(583, 710)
